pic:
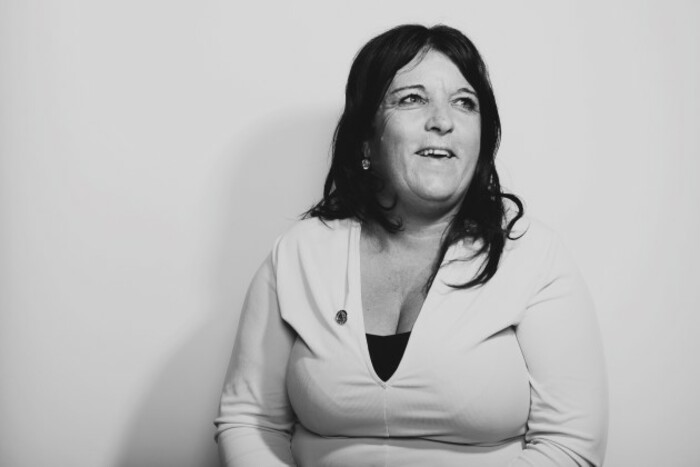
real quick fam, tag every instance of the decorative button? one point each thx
(341, 317)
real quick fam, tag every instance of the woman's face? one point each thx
(427, 135)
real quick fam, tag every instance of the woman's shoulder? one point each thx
(534, 246)
(316, 234)
(314, 228)
(532, 230)
(532, 240)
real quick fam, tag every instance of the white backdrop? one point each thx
(151, 151)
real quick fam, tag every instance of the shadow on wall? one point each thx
(270, 179)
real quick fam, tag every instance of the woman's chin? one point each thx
(438, 193)
(438, 200)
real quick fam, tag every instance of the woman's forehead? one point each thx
(428, 68)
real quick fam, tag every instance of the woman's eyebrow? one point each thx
(420, 87)
(411, 86)
(467, 90)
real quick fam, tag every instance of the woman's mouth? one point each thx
(436, 153)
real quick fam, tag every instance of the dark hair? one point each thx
(350, 192)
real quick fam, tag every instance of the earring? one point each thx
(365, 163)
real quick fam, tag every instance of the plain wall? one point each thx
(151, 151)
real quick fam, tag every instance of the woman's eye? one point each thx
(411, 99)
(467, 103)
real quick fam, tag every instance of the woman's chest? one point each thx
(445, 389)
(393, 291)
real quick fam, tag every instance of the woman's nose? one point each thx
(439, 120)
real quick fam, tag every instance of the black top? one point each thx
(386, 352)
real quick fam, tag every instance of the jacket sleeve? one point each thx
(255, 419)
(560, 341)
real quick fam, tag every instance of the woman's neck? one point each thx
(416, 233)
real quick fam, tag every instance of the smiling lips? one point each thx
(436, 153)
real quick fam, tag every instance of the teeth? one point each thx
(432, 152)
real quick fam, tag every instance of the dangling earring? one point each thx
(366, 163)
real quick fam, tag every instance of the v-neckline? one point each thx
(355, 282)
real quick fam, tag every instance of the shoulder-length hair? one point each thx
(350, 191)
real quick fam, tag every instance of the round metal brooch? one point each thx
(341, 317)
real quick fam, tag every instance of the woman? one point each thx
(412, 318)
